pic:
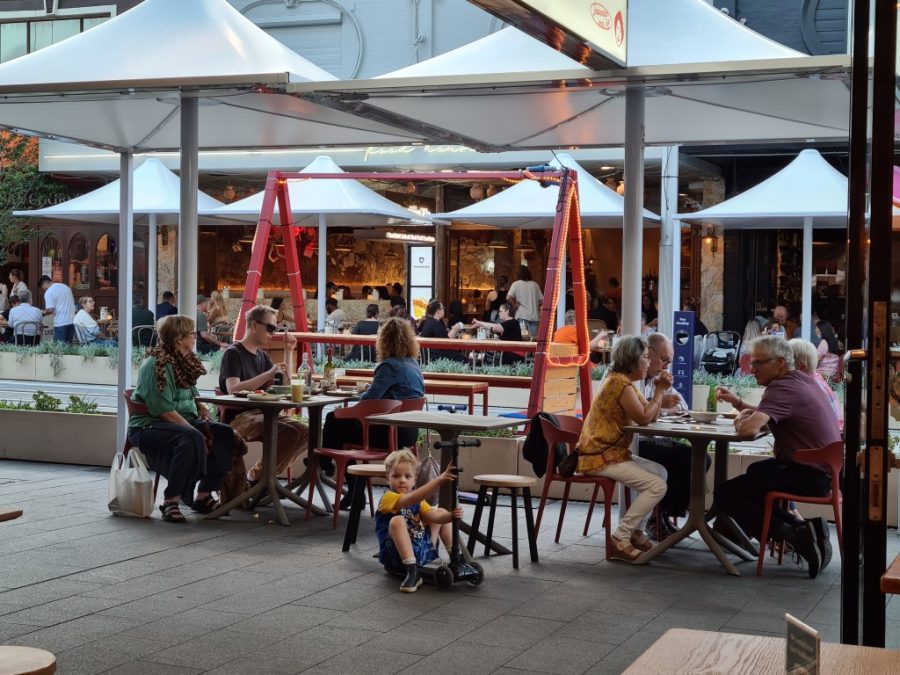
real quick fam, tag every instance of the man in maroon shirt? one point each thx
(799, 418)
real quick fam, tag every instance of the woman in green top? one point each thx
(178, 437)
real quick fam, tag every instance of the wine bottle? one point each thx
(304, 374)
(328, 376)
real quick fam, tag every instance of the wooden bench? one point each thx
(890, 580)
(438, 387)
(9, 514)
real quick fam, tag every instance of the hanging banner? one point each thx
(683, 361)
(421, 279)
(589, 31)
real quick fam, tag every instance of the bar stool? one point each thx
(363, 472)
(514, 484)
(26, 661)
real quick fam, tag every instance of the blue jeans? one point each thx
(64, 333)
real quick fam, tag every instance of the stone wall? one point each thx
(712, 264)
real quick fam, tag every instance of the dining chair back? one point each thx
(343, 456)
(28, 333)
(832, 456)
(567, 434)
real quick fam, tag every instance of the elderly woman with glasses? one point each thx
(605, 447)
(176, 433)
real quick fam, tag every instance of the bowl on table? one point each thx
(703, 416)
(280, 389)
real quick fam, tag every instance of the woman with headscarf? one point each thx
(176, 434)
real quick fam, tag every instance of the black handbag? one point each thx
(568, 465)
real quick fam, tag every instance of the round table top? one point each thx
(26, 661)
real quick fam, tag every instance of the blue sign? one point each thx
(683, 361)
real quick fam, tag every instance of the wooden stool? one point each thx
(26, 661)
(9, 514)
(498, 482)
(363, 473)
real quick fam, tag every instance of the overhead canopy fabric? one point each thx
(808, 187)
(509, 91)
(156, 192)
(696, 32)
(346, 202)
(118, 85)
(529, 206)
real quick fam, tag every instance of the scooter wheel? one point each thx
(443, 578)
(476, 581)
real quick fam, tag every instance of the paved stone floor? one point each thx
(243, 595)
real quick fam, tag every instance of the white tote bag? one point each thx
(130, 486)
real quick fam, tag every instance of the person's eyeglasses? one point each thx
(759, 362)
(270, 327)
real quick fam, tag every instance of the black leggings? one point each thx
(180, 454)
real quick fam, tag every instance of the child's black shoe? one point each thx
(412, 581)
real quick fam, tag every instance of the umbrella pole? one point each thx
(187, 230)
(633, 236)
(669, 243)
(806, 285)
(320, 291)
(151, 265)
(126, 258)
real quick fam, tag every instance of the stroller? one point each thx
(720, 352)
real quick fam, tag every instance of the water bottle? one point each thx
(304, 373)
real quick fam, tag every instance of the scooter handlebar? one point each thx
(442, 445)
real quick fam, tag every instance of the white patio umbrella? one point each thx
(529, 206)
(508, 91)
(157, 198)
(807, 192)
(170, 75)
(324, 202)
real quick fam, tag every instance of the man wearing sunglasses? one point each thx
(246, 366)
(799, 418)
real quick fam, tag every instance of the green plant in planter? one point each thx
(46, 402)
(15, 405)
(81, 406)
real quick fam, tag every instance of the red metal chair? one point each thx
(832, 456)
(135, 408)
(568, 433)
(343, 456)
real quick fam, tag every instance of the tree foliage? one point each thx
(22, 187)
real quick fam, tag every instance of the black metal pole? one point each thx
(856, 267)
(879, 284)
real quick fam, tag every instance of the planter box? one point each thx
(75, 369)
(12, 368)
(60, 437)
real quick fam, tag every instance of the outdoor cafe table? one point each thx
(449, 426)
(680, 650)
(438, 387)
(699, 436)
(268, 486)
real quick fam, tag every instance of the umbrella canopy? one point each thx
(808, 187)
(156, 192)
(162, 48)
(529, 206)
(517, 52)
(504, 92)
(345, 202)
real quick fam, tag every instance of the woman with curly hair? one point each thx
(397, 377)
(176, 433)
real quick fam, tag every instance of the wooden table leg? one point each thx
(484, 402)
(301, 482)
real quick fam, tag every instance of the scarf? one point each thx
(187, 368)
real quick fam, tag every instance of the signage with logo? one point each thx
(594, 32)
(421, 279)
(683, 359)
(801, 654)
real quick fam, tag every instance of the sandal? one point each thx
(623, 551)
(206, 505)
(171, 513)
(640, 541)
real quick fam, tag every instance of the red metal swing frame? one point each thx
(566, 234)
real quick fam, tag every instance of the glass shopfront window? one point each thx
(106, 262)
(51, 259)
(79, 262)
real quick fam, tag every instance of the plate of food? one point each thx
(340, 392)
(242, 394)
(263, 396)
(702, 416)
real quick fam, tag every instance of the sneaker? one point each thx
(805, 548)
(412, 581)
(823, 540)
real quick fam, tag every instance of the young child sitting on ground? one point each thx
(403, 539)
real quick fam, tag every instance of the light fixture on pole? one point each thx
(621, 188)
(709, 237)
